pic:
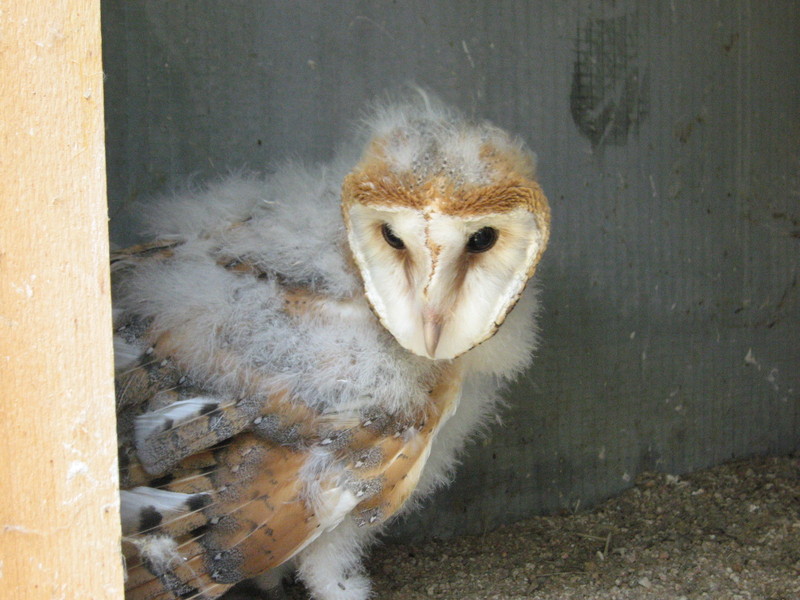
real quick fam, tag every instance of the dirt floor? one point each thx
(732, 533)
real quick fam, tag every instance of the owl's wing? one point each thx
(226, 470)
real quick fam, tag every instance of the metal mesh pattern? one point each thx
(608, 99)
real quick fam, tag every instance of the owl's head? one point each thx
(446, 223)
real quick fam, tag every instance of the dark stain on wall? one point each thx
(609, 96)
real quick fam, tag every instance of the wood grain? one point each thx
(59, 517)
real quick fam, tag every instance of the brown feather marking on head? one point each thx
(440, 194)
(503, 197)
(510, 169)
(376, 186)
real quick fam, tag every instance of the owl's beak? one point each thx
(431, 330)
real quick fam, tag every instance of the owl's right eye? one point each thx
(391, 238)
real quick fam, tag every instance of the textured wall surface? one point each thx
(669, 145)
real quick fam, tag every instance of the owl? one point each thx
(301, 356)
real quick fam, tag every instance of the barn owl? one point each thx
(302, 356)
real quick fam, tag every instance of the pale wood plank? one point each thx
(59, 514)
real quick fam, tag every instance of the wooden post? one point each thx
(59, 508)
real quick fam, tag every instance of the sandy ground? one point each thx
(732, 533)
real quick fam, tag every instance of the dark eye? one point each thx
(391, 238)
(482, 240)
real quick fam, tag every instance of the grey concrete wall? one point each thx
(669, 143)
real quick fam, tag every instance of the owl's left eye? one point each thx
(482, 240)
(391, 238)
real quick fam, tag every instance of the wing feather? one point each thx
(230, 473)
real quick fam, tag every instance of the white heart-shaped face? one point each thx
(442, 283)
(446, 224)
